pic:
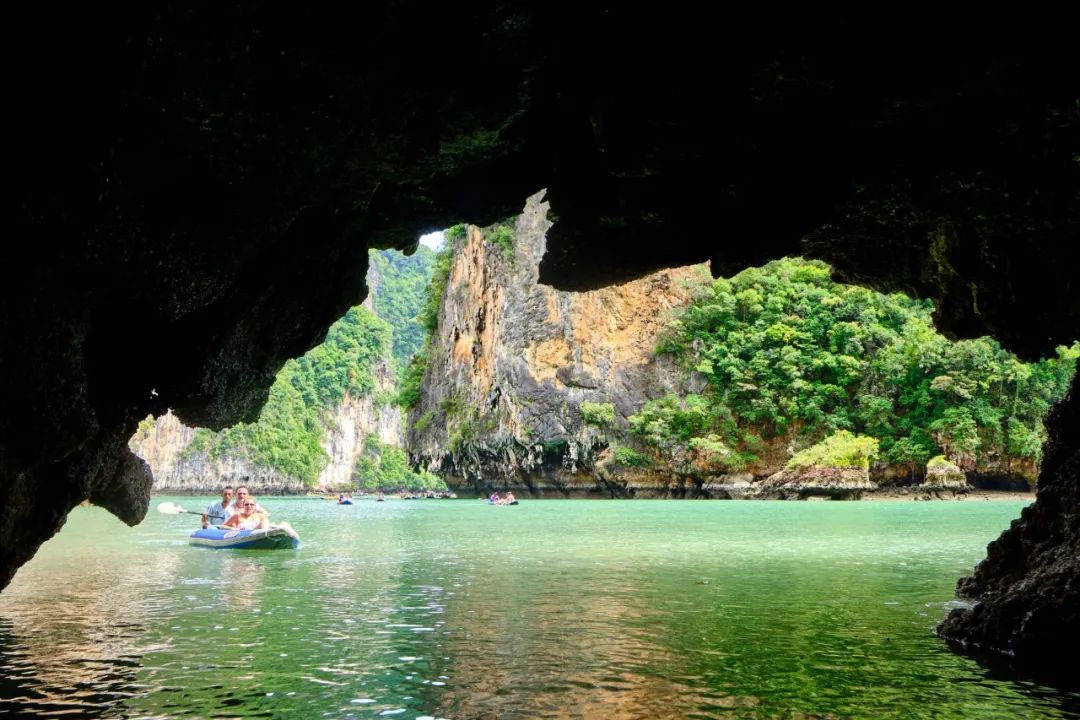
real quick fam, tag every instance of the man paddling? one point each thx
(219, 511)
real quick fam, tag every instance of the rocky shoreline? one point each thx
(876, 495)
(939, 494)
(689, 491)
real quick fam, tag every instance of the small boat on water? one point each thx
(344, 502)
(276, 537)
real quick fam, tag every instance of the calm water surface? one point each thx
(558, 608)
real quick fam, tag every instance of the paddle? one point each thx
(173, 509)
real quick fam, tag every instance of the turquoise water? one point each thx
(557, 608)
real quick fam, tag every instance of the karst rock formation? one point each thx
(193, 191)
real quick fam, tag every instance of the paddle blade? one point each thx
(170, 508)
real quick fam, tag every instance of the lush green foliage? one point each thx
(424, 420)
(399, 296)
(412, 375)
(631, 457)
(287, 435)
(839, 450)
(385, 468)
(410, 380)
(440, 274)
(598, 414)
(456, 233)
(681, 432)
(939, 461)
(146, 426)
(502, 237)
(789, 354)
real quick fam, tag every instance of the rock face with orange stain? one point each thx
(512, 361)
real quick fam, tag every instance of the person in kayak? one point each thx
(249, 517)
(242, 496)
(219, 511)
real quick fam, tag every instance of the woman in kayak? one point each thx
(249, 517)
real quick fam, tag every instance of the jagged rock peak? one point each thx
(512, 360)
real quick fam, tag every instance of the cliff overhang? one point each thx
(202, 185)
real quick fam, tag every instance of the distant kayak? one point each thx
(509, 503)
(277, 537)
(344, 502)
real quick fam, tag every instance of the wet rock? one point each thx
(1027, 590)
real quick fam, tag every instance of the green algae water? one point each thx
(558, 608)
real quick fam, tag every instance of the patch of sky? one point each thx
(433, 240)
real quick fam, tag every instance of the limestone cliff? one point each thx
(181, 463)
(232, 233)
(165, 445)
(351, 423)
(511, 362)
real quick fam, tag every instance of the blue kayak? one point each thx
(277, 537)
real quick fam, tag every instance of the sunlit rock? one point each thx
(944, 475)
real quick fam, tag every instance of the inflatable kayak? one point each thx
(277, 537)
(344, 502)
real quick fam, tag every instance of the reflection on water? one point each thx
(579, 654)
(74, 625)
(240, 582)
(560, 609)
(65, 678)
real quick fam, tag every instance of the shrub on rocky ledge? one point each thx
(841, 449)
(598, 414)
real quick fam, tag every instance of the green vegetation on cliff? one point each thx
(839, 450)
(601, 415)
(790, 355)
(412, 375)
(399, 297)
(684, 434)
(502, 237)
(385, 468)
(288, 433)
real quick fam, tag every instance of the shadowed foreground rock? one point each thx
(202, 185)
(1028, 588)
